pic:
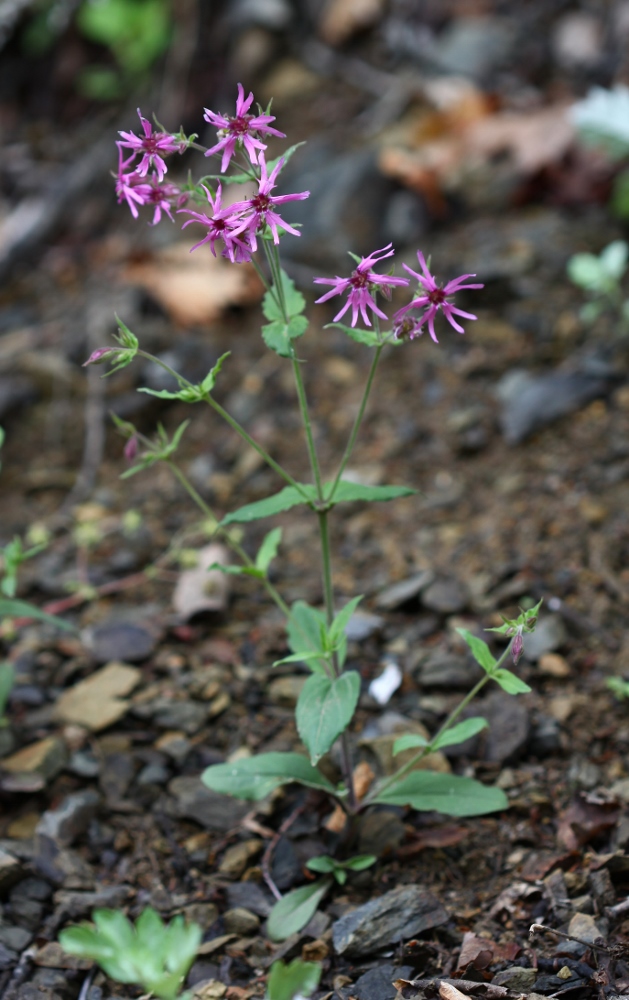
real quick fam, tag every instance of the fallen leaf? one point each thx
(584, 820)
(449, 992)
(438, 836)
(194, 288)
(363, 779)
(98, 701)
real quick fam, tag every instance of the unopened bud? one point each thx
(131, 449)
(99, 356)
(516, 647)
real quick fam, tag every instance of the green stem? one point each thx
(240, 552)
(358, 421)
(449, 722)
(305, 416)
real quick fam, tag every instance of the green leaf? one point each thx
(276, 504)
(305, 629)
(368, 337)
(619, 203)
(584, 270)
(445, 793)
(22, 609)
(299, 978)
(187, 393)
(136, 33)
(278, 334)
(349, 492)
(509, 682)
(341, 621)
(409, 742)
(294, 301)
(210, 379)
(295, 909)
(7, 680)
(254, 777)
(268, 550)
(614, 259)
(324, 709)
(480, 650)
(323, 865)
(360, 862)
(460, 733)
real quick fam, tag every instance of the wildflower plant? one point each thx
(252, 230)
(600, 278)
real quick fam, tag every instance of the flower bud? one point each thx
(131, 449)
(516, 647)
(99, 356)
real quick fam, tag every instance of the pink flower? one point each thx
(435, 297)
(220, 226)
(360, 284)
(162, 197)
(151, 145)
(240, 130)
(259, 210)
(130, 187)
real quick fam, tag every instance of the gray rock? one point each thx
(405, 590)
(445, 596)
(121, 640)
(11, 869)
(117, 772)
(210, 809)
(84, 764)
(65, 823)
(549, 635)
(76, 904)
(380, 833)
(16, 938)
(545, 737)
(8, 958)
(241, 921)
(188, 716)
(361, 625)
(474, 46)
(286, 866)
(398, 915)
(509, 727)
(447, 670)
(250, 896)
(153, 774)
(377, 984)
(530, 402)
(516, 978)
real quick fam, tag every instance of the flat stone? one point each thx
(98, 701)
(237, 857)
(210, 809)
(397, 916)
(583, 926)
(251, 896)
(509, 727)
(121, 640)
(15, 938)
(45, 758)
(187, 715)
(10, 870)
(362, 624)
(241, 921)
(78, 904)
(448, 596)
(377, 984)
(516, 978)
(286, 690)
(442, 669)
(8, 958)
(65, 823)
(400, 593)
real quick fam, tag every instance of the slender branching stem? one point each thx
(357, 423)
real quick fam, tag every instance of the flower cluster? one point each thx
(139, 187)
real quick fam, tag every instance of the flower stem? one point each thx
(358, 421)
(449, 722)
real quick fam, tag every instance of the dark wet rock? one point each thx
(65, 823)
(286, 866)
(380, 833)
(210, 809)
(11, 870)
(530, 402)
(509, 727)
(153, 774)
(550, 634)
(240, 921)
(84, 764)
(188, 716)
(117, 773)
(62, 867)
(545, 736)
(377, 984)
(448, 596)
(128, 642)
(400, 593)
(39, 991)
(362, 624)
(397, 916)
(15, 938)
(516, 978)
(602, 888)
(448, 670)
(78, 904)
(251, 896)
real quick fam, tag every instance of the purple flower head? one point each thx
(259, 210)
(241, 129)
(360, 284)
(130, 187)
(407, 327)
(435, 298)
(151, 145)
(162, 197)
(220, 226)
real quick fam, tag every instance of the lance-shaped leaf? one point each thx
(306, 629)
(268, 550)
(295, 909)
(450, 794)
(209, 381)
(368, 337)
(480, 650)
(254, 777)
(324, 709)
(10, 608)
(276, 504)
(298, 978)
(350, 492)
(510, 682)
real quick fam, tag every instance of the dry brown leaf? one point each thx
(336, 821)
(449, 992)
(363, 778)
(194, 288)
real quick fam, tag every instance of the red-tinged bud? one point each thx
(99, 356)
(131, 449)
(516, 647)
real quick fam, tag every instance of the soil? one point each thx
(500, 520)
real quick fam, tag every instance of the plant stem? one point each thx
(238, 549)
(358, 421)
(449, 722)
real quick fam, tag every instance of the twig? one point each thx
(268, 853)
(541, 929)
